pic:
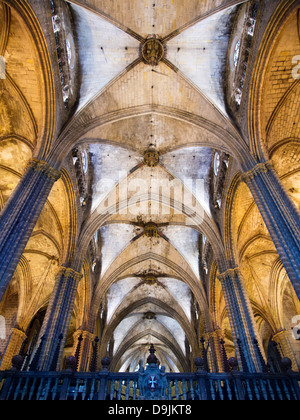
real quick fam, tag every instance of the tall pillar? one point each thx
(85, 348)
(20, 215)
(13, 348)
(242, 321)
(280, 216)
(214, 339)
(282, 339)
(57, 320)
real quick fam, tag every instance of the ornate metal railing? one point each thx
(104, 385)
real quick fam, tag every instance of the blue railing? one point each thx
(104, 385)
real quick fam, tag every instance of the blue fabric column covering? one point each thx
(20, 215)
(58, 317)
(280, 216)
(241, 319)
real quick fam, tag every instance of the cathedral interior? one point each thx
(150, 182)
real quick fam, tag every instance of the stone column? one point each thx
(57, 319)
(13, 348)
(85, 349)
(284, 346)
(280, 216)
(215, 355)
(20, 215)
(243, 326)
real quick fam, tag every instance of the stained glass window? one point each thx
(236, 53)
(69, 50)
(85, 161)
(217, 163)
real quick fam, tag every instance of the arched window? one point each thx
(236, 53)
(56, 23)
(85, 162)
(70, 47)
(69, 51)
(217, 163)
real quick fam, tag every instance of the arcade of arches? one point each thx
(150, 182)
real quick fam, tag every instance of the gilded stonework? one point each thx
(151, 230)
(299, 23)
(259, 168)
(153, 51)
(44, 167)
(150, 280)
(151, 158)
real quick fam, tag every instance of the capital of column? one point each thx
(86, 335)
(231, 272)
(263, 167)
(18, 333)
(278, 335)
(45, 168)
(69, 272)
(215, 334)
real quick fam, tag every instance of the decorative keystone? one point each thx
(153, 51)
(151, 157)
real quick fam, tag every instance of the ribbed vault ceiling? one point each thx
(148, 106)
